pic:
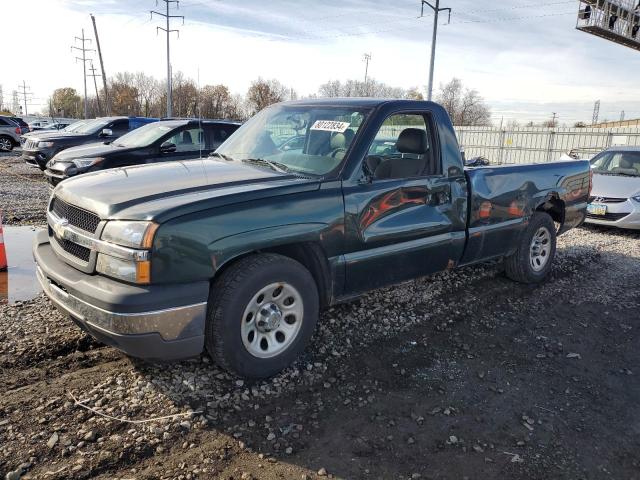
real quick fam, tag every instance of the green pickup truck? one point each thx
(308, 204)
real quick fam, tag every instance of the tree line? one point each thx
(139, 94)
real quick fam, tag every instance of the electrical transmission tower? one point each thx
(168, 31)
(84, 60)
(622, 116)
(367, 59)
(436, 10)
(15, 102)
(596, 112)
(24, 91)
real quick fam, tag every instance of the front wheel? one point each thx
(533, 259)
(262, 312)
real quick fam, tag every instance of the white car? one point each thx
(615, 197)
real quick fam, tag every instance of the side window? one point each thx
(402, 148)
(188, 140)
(3, 122)
(119, 127)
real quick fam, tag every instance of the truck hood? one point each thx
(87, 150)
(615, 186)
(163, 191)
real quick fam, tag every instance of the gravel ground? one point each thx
(23, 191)
(461, 375)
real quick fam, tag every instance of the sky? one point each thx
(524, 57)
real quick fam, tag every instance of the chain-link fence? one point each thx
(529, 145)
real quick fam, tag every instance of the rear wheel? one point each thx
(262, 312)
(6, 144)
(533, 259)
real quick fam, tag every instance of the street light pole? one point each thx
(436, 10)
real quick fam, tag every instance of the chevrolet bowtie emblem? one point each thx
(60, 226)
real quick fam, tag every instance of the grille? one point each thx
(77, 217)
(74, 249)
(610, 217)
(608, 199)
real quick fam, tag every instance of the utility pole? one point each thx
(596, 112)
(95, 84)
(168, 32)
(84, 59)
(622, 116)
(553, 119)
(436, 10)
(104, 74)
(24, 94)
(367, 59)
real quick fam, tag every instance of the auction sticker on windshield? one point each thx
(330, 126)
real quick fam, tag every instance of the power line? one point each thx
(367, 59)
(436, 10)
(95, 84)
(168, 31)
(24, 94)
(84, 60)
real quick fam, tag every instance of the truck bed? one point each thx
(502, 197)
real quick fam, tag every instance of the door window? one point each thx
(402, 148)
(119, 127)
(188, 140)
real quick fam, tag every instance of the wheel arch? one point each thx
(307, 249)
(554, 206)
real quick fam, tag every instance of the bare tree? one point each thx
(358, 88)
(465, 106)
(263, 93)
(148, 89)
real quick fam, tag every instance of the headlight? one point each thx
(127, 270)
(45, 144)
(130, 234)
(637, 198)
(86, 162)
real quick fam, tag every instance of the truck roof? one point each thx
(362, 102)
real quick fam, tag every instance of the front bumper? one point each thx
(37, 158)
(620, 215)
(157, 322)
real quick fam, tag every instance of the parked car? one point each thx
(52, 126)
(39, 124)
(24, 127)
(156, 142)
(615, 199)
(9, 134)
(72, 127)
(41, 147)
(237, 253)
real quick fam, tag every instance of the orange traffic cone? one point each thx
(3, 252)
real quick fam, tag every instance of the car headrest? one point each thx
(413, 140)
(338, 141)
(625, 163)
(186, 137)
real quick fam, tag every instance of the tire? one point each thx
(6, 144)
(236, 309)
(533, 260)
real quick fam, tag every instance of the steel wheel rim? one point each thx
(5, 144)
(540, 250)
(272, 320)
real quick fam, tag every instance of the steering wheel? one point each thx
(335, 152)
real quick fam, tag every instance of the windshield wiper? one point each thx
(277, 166)
(222, 156)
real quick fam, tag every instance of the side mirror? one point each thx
(167, 147)
(106, 132)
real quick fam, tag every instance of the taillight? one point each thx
(18, 131)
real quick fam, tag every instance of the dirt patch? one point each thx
(464, 374)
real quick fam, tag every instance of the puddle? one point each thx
(19, 282)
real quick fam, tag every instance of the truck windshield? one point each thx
(143, 136)
(617, 163)
(298, 139)
(92, 126)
